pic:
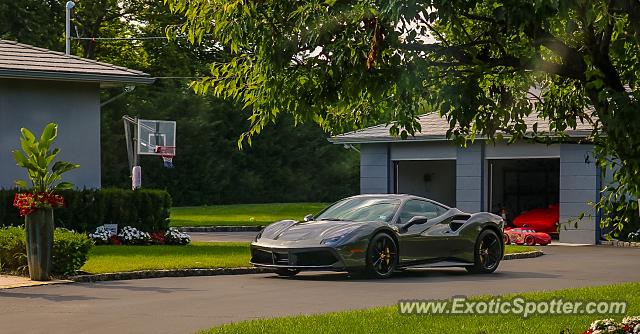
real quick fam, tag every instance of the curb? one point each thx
(221, 229)
(524, 255)
(617, 243)
(142, 274)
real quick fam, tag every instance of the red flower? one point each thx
(158, 237)
(115, 240)
(27, 203)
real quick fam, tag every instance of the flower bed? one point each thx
(132, 236)
(628, 325)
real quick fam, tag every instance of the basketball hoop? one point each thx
(167, 153)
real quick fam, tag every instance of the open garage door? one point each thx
(433, 179)
(521, 185)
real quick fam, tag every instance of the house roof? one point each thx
(28, 62)
(434, 128)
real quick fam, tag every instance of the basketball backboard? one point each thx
(153, 133)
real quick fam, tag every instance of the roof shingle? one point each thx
(434, 128)
(25, 61)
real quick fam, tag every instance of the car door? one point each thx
(422, 242)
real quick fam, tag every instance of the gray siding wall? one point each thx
(374, 169)
(503, 150)
(469, 178)
(579, 181)
(423, 151)
(32, 104)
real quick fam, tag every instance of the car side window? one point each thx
(416, 207)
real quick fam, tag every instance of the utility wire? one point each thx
(123, 38)
(191, 78)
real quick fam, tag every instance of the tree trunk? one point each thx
(39, 231)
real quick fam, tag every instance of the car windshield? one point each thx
(363, 209)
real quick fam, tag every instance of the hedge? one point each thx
(144, 209)
(70, 250)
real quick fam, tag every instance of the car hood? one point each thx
(312, 230)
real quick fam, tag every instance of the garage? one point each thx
(434, 179)
(519, 185)
(552, 182)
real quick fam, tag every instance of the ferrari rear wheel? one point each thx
(287, 272)
(507, 241)
(530, 240)
(488, 251)
(382, 256)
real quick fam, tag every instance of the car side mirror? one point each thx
(308, 218)
(415, 220)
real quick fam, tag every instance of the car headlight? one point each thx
(332, 240)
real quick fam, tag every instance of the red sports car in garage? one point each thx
(540, 220)
(523, 236)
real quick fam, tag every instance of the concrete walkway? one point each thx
(185, 305)
(9, 282)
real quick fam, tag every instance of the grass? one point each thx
(241, 214)
(508, 249)
(108, 259)
(388, 320)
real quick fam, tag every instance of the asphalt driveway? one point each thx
(184, 305)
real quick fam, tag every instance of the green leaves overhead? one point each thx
(486, 66)
(36, 157)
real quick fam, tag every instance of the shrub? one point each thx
(12, 248)
(85, 210)
(70, 250)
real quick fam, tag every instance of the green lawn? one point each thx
(508, 249)
(241, 214)
(108, 259)
(388, 320)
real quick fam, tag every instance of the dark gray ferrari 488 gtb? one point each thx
(379, 234)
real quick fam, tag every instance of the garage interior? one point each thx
(518, 185)
(433, 179)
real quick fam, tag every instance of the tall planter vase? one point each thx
(39, 230)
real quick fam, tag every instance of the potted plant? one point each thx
(37, 205)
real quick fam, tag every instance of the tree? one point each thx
(484, 65)
(287, 164)
(35, 22)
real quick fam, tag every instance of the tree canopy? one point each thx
(484, 65)
(287, 164)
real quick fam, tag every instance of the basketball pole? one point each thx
(132, 152)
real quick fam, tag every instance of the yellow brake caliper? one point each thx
(386, 255)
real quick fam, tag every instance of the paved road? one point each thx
(184, 305)
(223, 236)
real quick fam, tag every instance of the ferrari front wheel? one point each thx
(487, 253)
(382, 256)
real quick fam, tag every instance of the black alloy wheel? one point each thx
(382, 256)
(488, 253)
